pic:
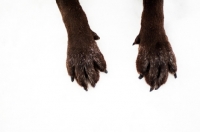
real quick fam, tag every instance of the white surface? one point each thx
(36, 94)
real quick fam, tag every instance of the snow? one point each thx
(37, 95)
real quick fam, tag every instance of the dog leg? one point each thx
(156, 57)
(84, 59)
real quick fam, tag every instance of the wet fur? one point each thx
(84, 59)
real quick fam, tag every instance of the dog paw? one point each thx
(155, 59)
(84, 63)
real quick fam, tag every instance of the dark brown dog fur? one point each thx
(84, 59)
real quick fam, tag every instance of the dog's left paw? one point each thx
(154, 61)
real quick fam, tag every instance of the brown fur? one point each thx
(155, 58)
(84, 59)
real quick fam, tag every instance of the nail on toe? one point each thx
(85, 88)
(72, 79)
(175, 75)
(151, 89)
(106, 71)
(141, 76)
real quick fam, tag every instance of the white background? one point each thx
(36, 94)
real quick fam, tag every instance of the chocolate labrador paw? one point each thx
(155, 59)
(84, 63)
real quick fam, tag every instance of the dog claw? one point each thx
(151, 89)
(141, 76)
(106, 71)
(134, 43)
(72, 79)
(157, 88)
(175, 75)
(85, 88)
